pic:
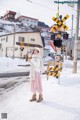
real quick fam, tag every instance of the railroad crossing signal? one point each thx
(59, 23)
(21, 46)
(54, 69)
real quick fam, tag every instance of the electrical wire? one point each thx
(39, 4)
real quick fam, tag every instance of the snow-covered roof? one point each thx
(27, 17)
(20, 32)
(5, 22)
(10, 12)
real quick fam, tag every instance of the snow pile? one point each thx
(5, 22)
(8, 27)
(47, 58)
(12, 65)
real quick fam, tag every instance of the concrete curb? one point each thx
(15, 74)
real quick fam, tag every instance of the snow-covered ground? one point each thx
(11, 65)
(61, 101)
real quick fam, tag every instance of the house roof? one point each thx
(20, 33)
(27, 17)
(30, 45)
(9, 12)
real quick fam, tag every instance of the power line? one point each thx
(39, 4)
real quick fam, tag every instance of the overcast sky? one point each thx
(43, 10)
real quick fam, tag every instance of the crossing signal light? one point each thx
(53, 37)
(58, 42)
(21, 48)
(63, 49)
(65, 36)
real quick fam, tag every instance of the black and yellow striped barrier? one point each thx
(54, 69)
(59, 23)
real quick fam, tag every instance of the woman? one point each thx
(36, 68)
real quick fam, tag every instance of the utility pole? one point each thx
(71, 41)
(76, 40)
(72, 28)
(14, 42)
(58, 8)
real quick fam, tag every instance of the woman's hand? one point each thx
(28, 58)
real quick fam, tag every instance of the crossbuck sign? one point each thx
(59, 23)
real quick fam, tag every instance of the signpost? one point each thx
(21, 48)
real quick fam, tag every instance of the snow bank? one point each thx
(10, 64)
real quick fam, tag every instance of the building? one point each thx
(43, 26)
(70, 47)
(25, 20)
(10, 16)
(28, 20)
(20, 43)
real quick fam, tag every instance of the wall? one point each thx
(29, 21)
(7, 43)
(29, 37)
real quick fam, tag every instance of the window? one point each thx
(0, 46)
(7, 16)
(23, 19)
(21, 39)
(32, 39)
(2, 39)
(16, 49)
(34, 21)
(11, 16)
(6, 38)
